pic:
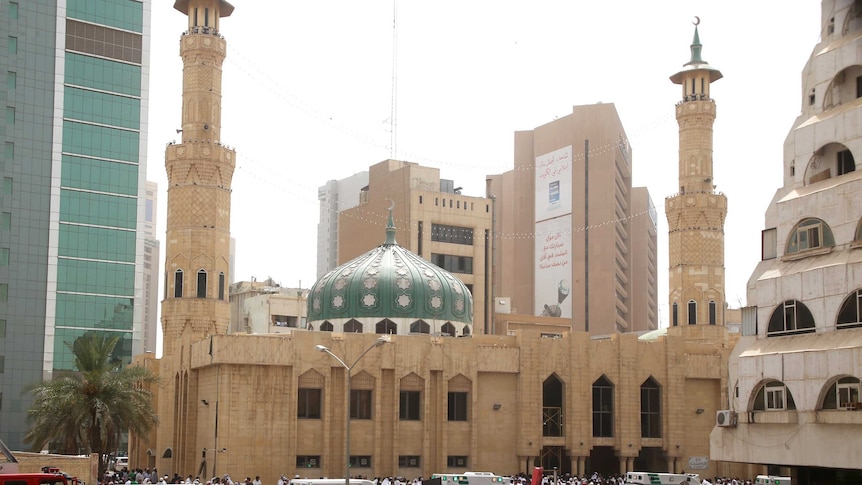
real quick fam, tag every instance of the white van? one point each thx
(771, 480)
(649, 478)
(472, 478)
(121, 462)
(328, 481)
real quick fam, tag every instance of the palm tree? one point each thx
(89, 410)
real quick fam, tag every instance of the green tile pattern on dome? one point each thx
(389, 282)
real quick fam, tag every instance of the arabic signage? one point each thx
(698, 463)
(553, 268)
(554, 184)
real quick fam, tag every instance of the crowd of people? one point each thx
(147, 476)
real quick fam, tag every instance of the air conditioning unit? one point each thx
(725, 418)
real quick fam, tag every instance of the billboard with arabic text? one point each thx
(554, 184)
(553, 267)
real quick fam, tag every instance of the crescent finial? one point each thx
(391, 204)
(696, 21)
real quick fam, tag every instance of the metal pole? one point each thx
(347, 429)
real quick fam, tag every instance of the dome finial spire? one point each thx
(696, 46)
(390, 224)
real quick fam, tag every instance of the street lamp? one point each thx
(347, 368)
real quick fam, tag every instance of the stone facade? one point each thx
(528, 399)
(695, 215)
(795, 375)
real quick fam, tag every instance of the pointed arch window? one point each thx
(420, 326)
(650, 409)
(178, 283)
(466, 330)
(352, 326)
(712, 312)
(850, 314)
(675, 314)
(221, 285)
(789, 318)
(448, 329)
(326, 326)
(603, 408)
(386, 326)
(692, 312)
(202, 283)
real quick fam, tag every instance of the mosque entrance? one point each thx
(603, 460)
(652, 459)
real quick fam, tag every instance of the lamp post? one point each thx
(347, 368)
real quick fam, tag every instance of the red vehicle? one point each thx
(9, 472)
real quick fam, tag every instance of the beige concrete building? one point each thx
(432, 219)
(794, 381)
(265, 306)
(335, 196)
(273, 404)
(571, 192)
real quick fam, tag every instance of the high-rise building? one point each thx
(72, 243)
(567, 227)
(432, 219)
(794, 378)
(152, 275)
(335, 196)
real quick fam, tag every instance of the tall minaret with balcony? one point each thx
(199, 173)
(695, 215)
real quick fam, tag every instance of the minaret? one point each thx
(199, 173)
(695, 215)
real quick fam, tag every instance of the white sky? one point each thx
(307, 92)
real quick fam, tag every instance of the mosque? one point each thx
(423, 402)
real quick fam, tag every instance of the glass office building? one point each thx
(73, 186)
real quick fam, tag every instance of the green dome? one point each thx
(390, 290)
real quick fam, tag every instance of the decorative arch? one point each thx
(412, 382)
(460, 383)
(808, 235)
(790, 317)
(842, 88)
(310, 379)
(772, 395)
(840, 392)
(363, 381)
(466, 331)
(448, 329)
(326, 326)
(850, 312)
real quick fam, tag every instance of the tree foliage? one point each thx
(88, 411)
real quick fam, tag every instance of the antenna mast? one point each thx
(393, 122)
